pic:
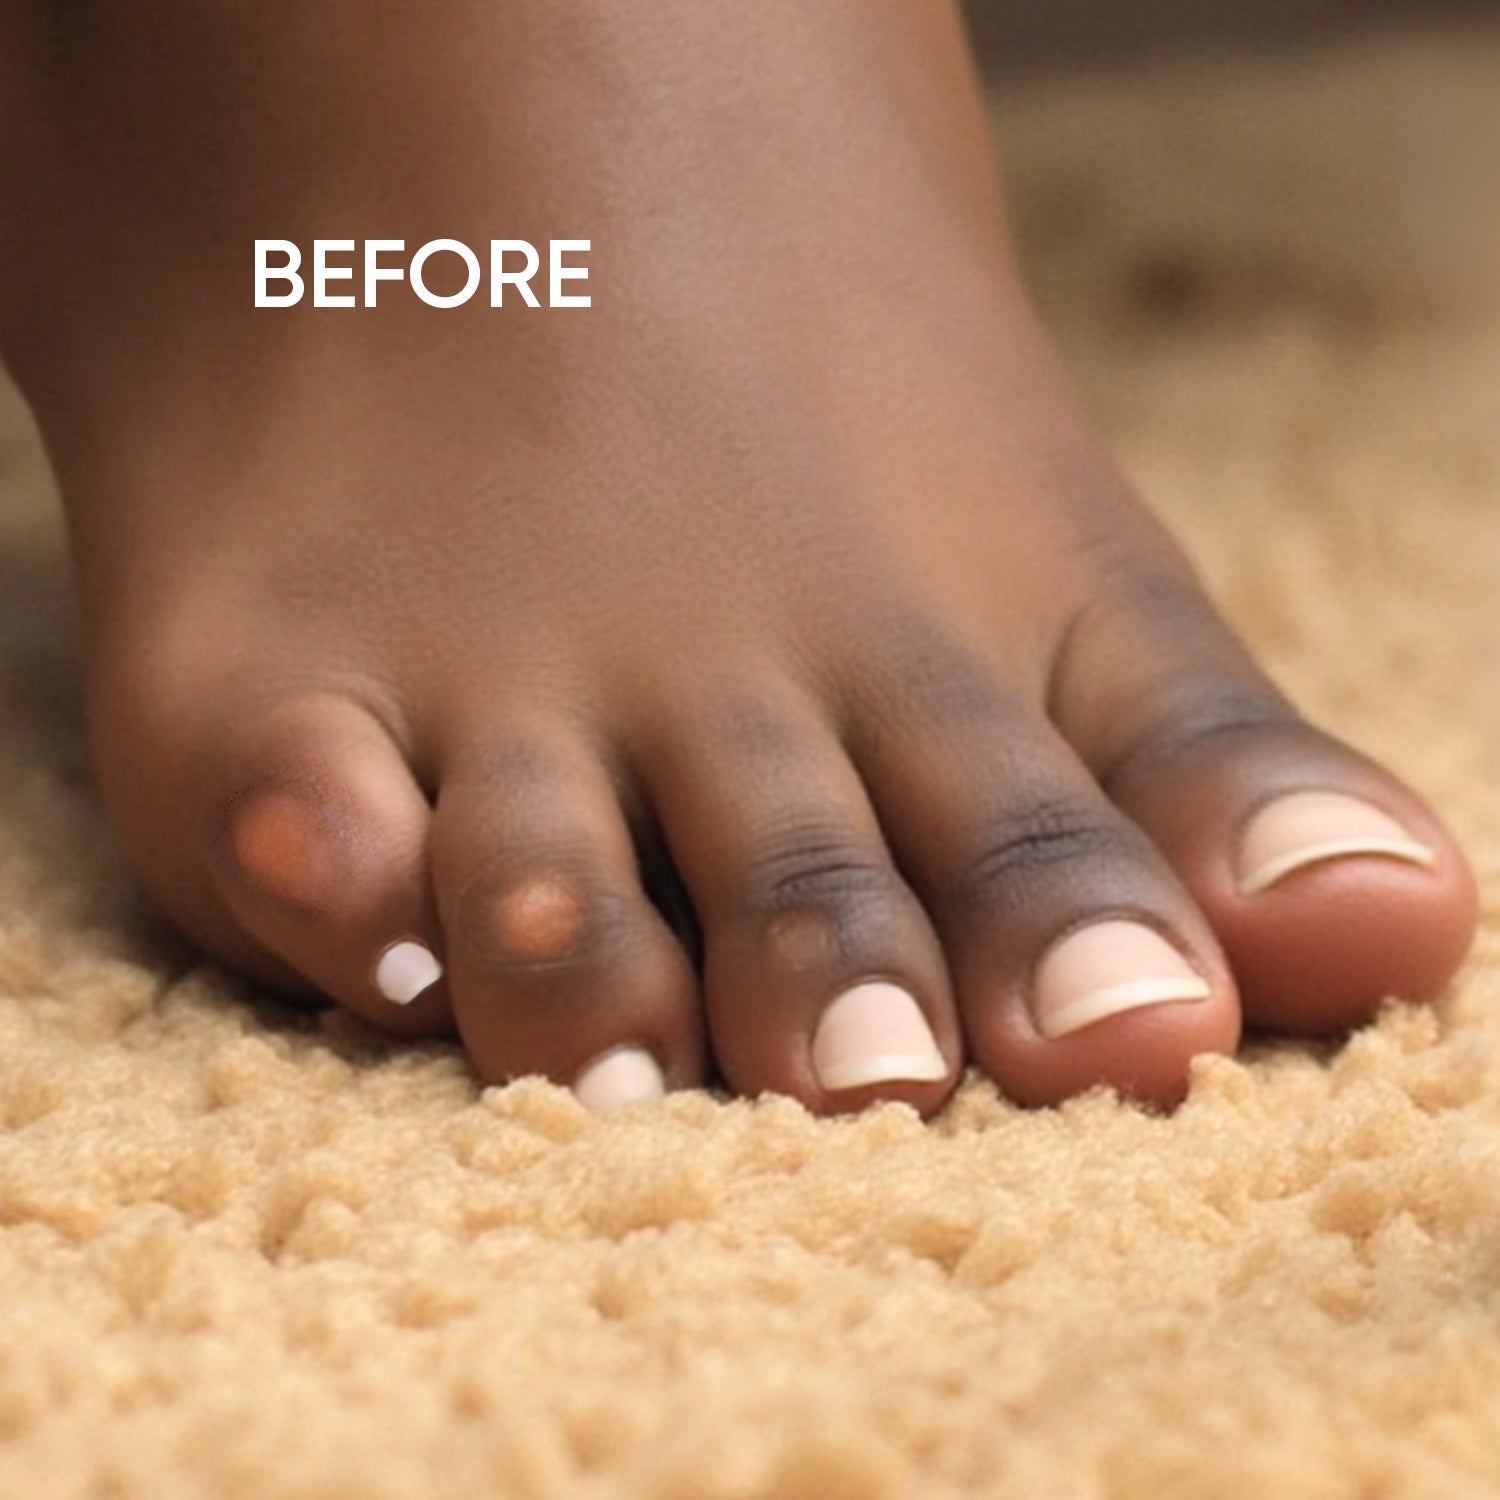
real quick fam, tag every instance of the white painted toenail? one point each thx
(1310, 828)
(405, 970)
(1105, 969)
(875, 1033)
(627, 1075)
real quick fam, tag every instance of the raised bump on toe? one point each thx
(282, 849)
(538, 920)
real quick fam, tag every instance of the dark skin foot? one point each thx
(421, 643)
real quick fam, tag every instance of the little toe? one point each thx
(1077, 957)
(1330, 884)
(560, 964)
(322, 860)
(824, 979)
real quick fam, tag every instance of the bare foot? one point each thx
(788, 568)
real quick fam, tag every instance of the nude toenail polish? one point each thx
(627, 1075)
(1309, 828)
(875, 1033)
(1106, 969)
(405, 970)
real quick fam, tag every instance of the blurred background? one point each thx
(1021, 33)
(1266, 234)
(1378, 174)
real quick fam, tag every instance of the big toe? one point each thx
(1330, 884)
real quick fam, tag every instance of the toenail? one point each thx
(626, 1075)
(281, 849)
(405, 970)
(539, 920)
(1309, 828)
(875, 1033)
(1107, 968)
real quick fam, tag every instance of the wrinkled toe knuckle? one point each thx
(824, 902)
(1200, 716)
(1048, 840)
(808, 865)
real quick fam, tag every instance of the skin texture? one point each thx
(667, 667)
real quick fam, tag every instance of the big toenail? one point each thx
(1105, 969)
(625, 1075)
(281, 849)
(405, 970)
(875, 1033)
(538, 920)
(1310, 828)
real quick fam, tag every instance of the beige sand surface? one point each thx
(247, 1255)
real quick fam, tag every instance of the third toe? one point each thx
(823, 976)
